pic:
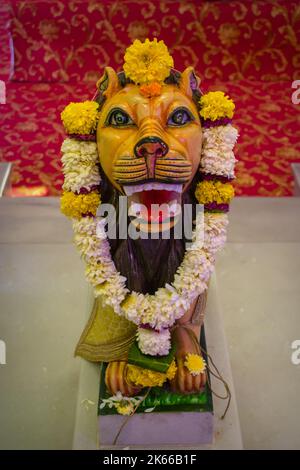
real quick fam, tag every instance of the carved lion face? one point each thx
(150, 147)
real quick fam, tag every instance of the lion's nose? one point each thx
(151, 146)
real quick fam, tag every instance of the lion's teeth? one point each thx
(172, 209)
(138, 188)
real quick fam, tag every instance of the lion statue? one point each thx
(152, 137)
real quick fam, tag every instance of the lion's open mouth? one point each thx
(153, 202)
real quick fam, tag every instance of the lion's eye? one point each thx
(180, 117)
(119, 118)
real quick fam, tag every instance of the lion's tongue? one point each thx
(151, 200)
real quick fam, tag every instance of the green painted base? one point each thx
(161, 398)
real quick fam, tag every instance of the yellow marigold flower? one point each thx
(75, 205)
(150, 378)
(147, 61)
(80, 118)
(195, 364)
(216, 105)
(151, 89)
(214, 191)
(125, 408)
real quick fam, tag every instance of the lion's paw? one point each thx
(115, 379)
(187, 343)
(185, 382)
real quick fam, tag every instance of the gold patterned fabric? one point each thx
(268, 122)
(55, 40)
(249, 49)
(107, 336)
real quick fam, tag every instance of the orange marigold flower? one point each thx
(151, 89)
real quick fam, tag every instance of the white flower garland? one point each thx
(168, 304)
(153, 314)
(217, 156)
(80, 165)
(153, 342)
(215, 229)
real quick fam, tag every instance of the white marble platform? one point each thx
(43, 309)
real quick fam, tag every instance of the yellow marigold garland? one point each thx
(150, 378)
(76, 205)
(147, 61)
(80, 118)
(216, 105)
(214, 191)
(195, 363)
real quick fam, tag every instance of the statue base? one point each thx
(91, 429)
(163, 418)
(152, 429)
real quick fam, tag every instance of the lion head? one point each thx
(146, 121)
(149, 143)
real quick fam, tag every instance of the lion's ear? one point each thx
(189, 81)
(108, 85)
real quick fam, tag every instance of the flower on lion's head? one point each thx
(195, 364)
(150, 89)
(147, 61)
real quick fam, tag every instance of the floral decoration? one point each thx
(125, 408)
(161, 310)
(79, 205)
(216, 105)
(80, 166)
(148, 64)
(122, 404)
(147, 61)
(215, 226)
(80, 118)
(151, 89)
(217, 156)
(195, 364)
(150, 378)
(151, 341)
(214, 191)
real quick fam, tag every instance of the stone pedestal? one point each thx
(156, 429)
(163, 417)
